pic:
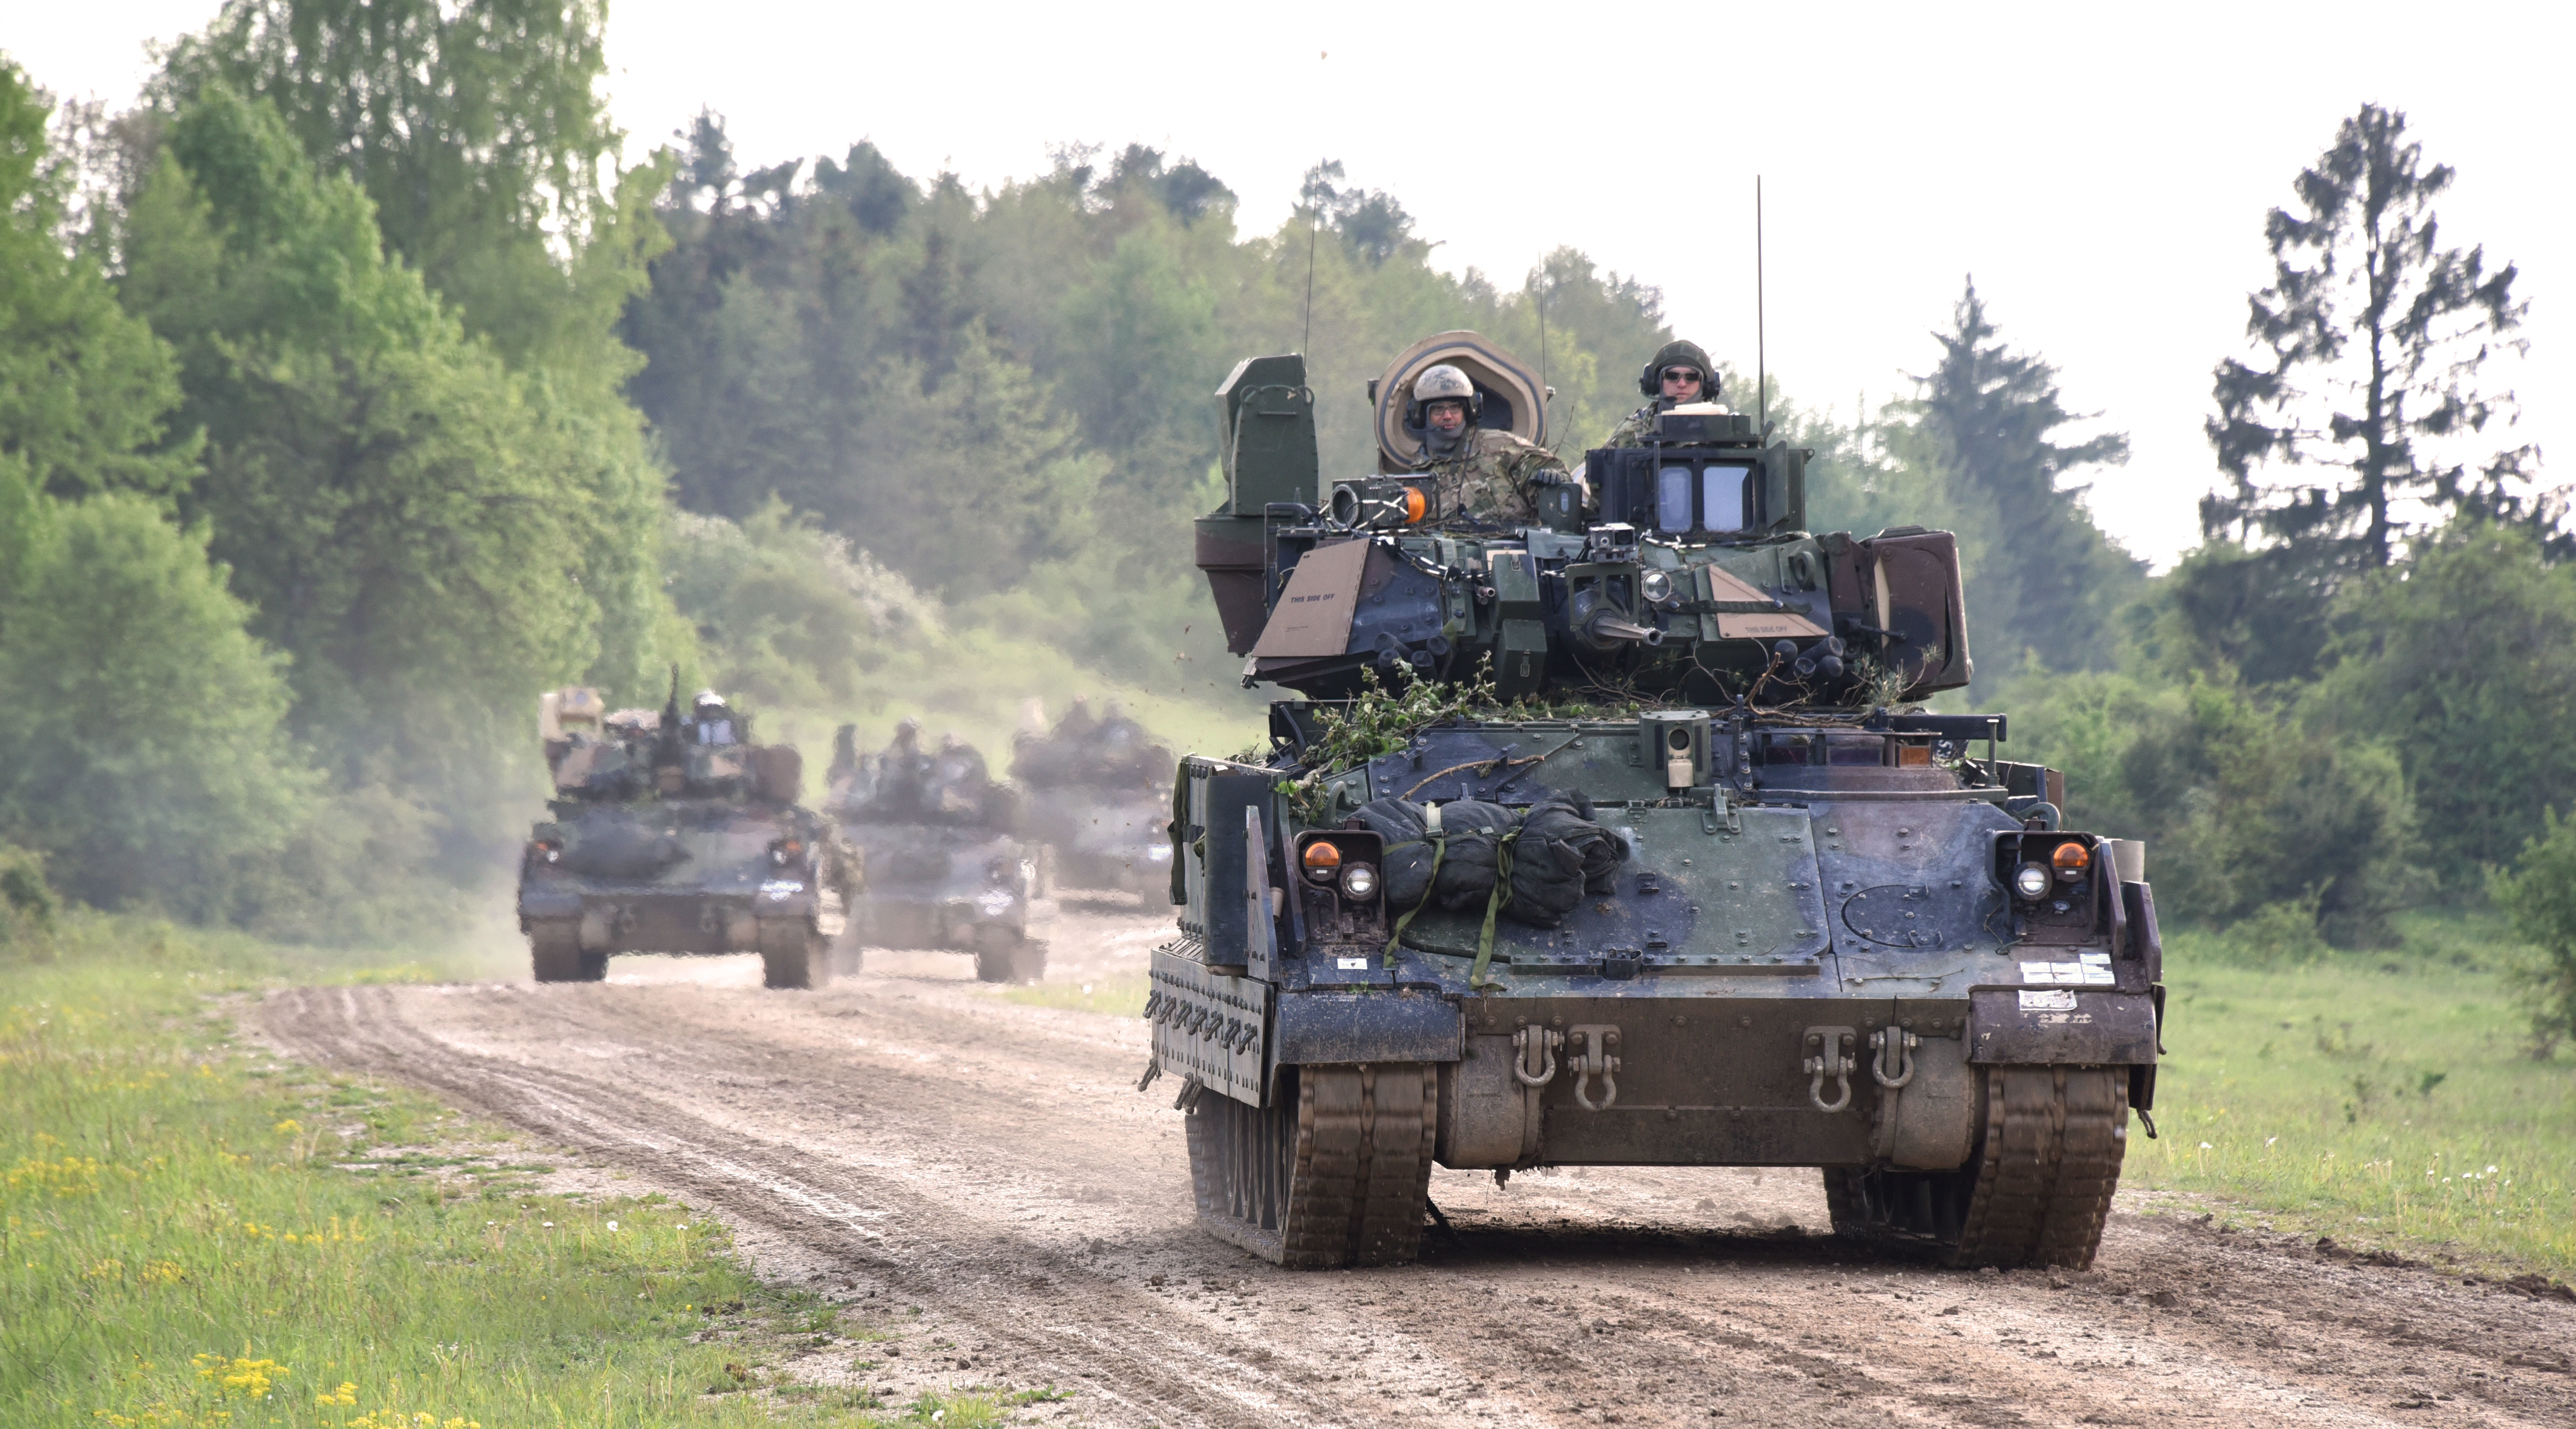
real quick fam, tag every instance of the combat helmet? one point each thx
(1441, 382)
(1650, 378)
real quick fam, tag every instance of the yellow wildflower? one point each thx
(248, 1378)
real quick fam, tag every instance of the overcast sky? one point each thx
(2104, 173)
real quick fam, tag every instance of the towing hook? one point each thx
(1894, 1045)
(1592, 1058)
(1829, 1055)
(1535, 1062)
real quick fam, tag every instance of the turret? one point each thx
(1693, 575)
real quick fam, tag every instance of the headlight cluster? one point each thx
(2050, 870)
(1327, 867)
(786, 851)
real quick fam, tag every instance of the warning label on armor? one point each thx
(2093, 971)
(2054, 1000)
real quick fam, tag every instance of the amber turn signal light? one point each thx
(2072, 858)
(1322, 858)
(1416, 506)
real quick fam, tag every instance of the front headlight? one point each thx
(1359, 882)
(2032, 881)
(1655, 586)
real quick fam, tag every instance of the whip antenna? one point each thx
(1546, 393)
(1313, 222)
(1761, 371)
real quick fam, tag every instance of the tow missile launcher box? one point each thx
(1702, 885)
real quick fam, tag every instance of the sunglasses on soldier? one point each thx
(1681, 374)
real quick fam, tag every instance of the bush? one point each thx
(2250, 811)
(2464, 661)
(148, 749)
(2539, 895)
(2277, 934)
(27, 903)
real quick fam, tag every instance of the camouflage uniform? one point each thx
(1495, 479)
(1639, 429)
(1639, 426)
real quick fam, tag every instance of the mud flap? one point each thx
(2060, 1027)
(1323, 1027)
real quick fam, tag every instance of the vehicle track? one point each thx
(910, 1134)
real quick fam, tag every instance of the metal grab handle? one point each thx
(1540, 1042)
(1901, 1045)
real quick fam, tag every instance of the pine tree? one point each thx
(2052, 581)
(2363, 386)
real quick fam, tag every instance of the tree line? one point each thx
(354, 393)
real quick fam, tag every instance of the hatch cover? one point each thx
(1900, 915)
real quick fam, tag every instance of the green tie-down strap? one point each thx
(1439, 842)
(1494, 904)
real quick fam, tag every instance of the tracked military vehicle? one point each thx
(946, 866)
(1656, 860)
(675, 834)
(1094, 791)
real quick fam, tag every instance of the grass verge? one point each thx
(194, 1235)
(2386, 1100)
(1113, 995)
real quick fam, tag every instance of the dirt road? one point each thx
(910, 1139)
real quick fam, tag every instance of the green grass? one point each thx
(1116, 995)
(2388, 1100)
(194, 1235)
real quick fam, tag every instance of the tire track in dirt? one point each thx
(991, 1163)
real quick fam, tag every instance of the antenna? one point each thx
(1761, 371)
(1314, 222)
(1546, 393)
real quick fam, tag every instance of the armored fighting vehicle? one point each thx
(676, 834)
(946, 867)
(1624, 839)
(1097, 791)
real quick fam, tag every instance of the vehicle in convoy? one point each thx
(946, 866)
(669, 835)
(1097, 795)
(1657, 859)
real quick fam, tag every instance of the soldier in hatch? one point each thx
(957, 779)
(1474, 471)
(902, 775)
(1680, 373)
(710, 719)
